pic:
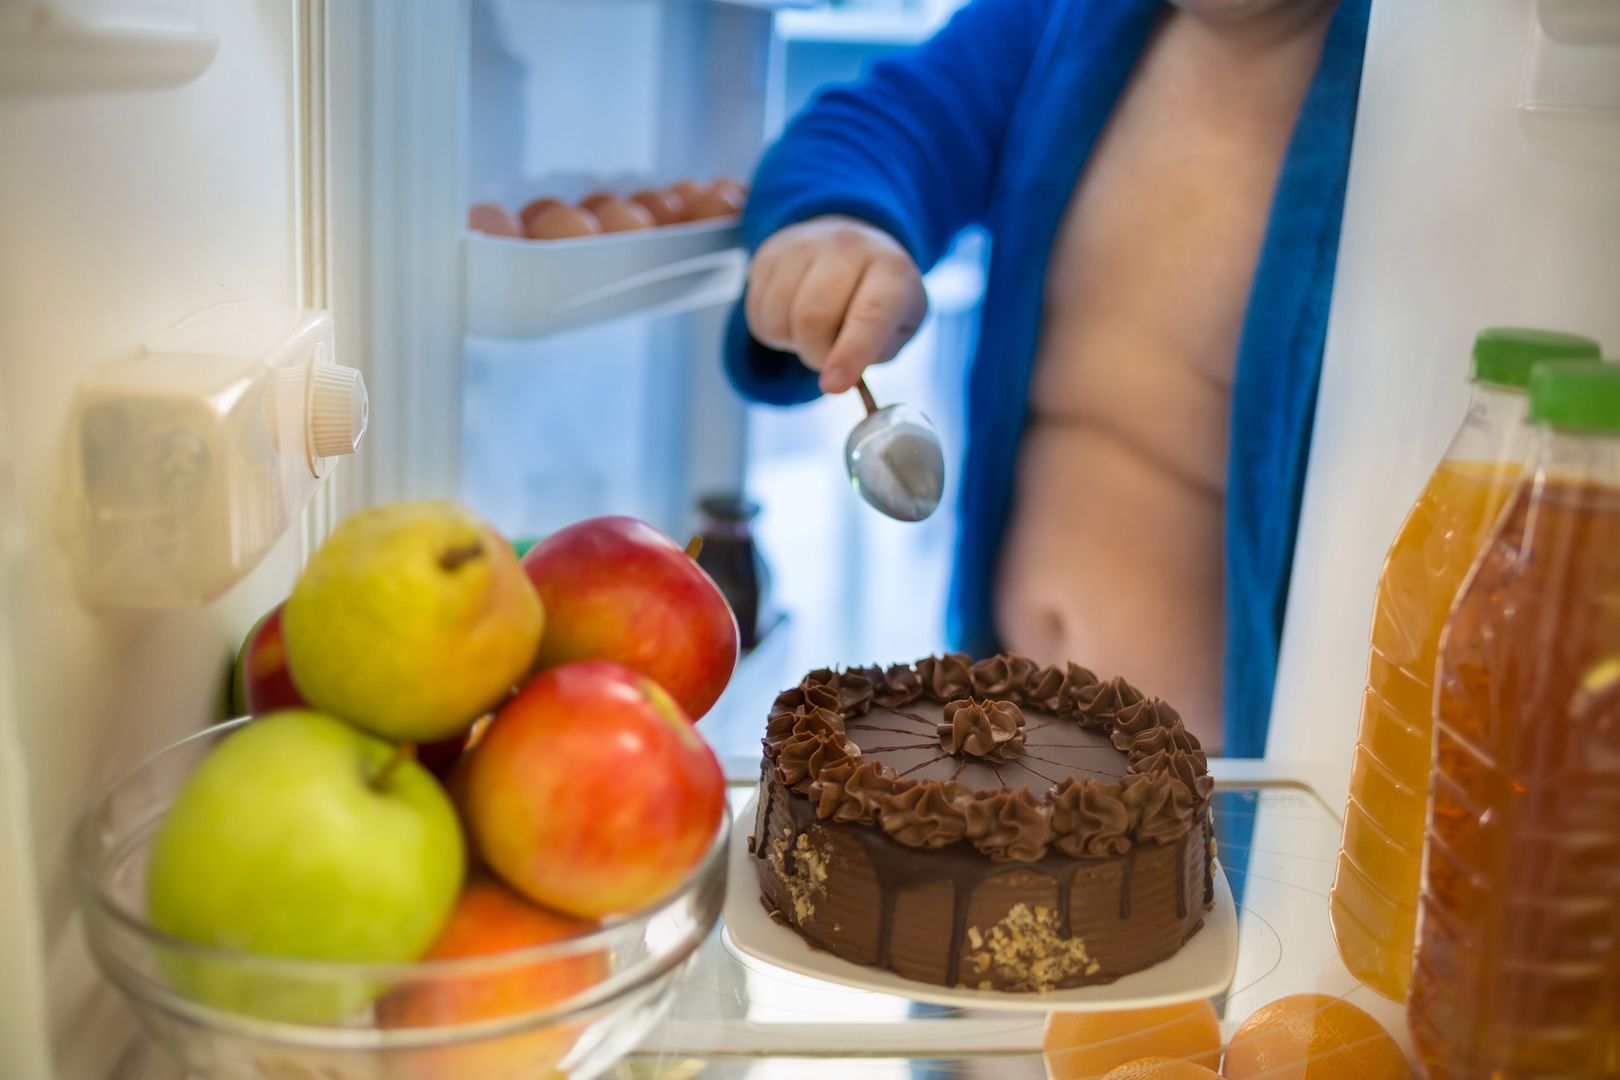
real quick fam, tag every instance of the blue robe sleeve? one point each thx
(911, 148)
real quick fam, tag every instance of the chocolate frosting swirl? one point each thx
(1089, 820)
(852, 689)
(804, 757)
(946, 677)
(1169, 738)
(806, 697)
(851, 790)
(1102, 705)
(926, 815)
(1188, 769)
(1009, 826)
(898, 687)
(1136, 719)
(1165, 792)
(1000, 676)
(1160, 809)
(992, 730)
(1059, 689)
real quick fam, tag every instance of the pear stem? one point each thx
(403, 752)
(694, 546)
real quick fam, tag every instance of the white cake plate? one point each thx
(1203, 968)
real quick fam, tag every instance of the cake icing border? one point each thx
(1165, 791)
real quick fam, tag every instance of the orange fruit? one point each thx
(1162, 1068)
(1313, 1037)
(1085, 1046)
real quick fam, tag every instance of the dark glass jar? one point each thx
(731, 558)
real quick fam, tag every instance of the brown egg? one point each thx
(536, 207)
(688, 190)
(736, 188)
(596, 199)
(562, 222)
(616, 215)
(666, 207)
(714, 204)
(492, 219)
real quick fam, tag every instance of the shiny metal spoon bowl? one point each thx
(895, 460)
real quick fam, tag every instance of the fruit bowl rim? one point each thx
(93, 858)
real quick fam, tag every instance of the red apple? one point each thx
(262, 683)
(615, 588)
(489, 919)
(591, 793)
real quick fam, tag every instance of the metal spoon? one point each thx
(895, 461)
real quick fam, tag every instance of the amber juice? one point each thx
(1518, 962)
(1373, 905)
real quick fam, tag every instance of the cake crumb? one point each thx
(1026, 952)
(751, 845)
(1093, 967)
(984, 984)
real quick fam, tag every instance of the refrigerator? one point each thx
(197, 195)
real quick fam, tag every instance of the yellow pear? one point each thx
(411, 621)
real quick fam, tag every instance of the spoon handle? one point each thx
(866, 395)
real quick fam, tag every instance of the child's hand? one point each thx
(840, 293)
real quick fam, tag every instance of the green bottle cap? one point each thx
(1505, 355)
(1577, 396)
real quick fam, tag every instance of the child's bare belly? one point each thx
(1114, 554)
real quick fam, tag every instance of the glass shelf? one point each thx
(732, 1018)
(744, 1018)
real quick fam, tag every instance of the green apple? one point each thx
(300, 836)
(412, 620)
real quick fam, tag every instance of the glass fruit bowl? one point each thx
(567, 1008)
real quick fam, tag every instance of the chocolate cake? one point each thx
(996, 825)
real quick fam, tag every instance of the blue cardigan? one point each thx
(991, 122)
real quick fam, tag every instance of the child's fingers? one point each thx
(770, 299)
(887, 308)
(817, 310)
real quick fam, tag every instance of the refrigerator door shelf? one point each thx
(768, 5)
(1581, 22)
(57, 46)
(188, 461)
(1570, 105)
(849, 25)
(533, 288)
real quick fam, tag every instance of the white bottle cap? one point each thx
(337, 409)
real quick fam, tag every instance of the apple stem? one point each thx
(694, 546)
(403, 752)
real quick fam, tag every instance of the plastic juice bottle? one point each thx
(1373, 905)
(1518, 957)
